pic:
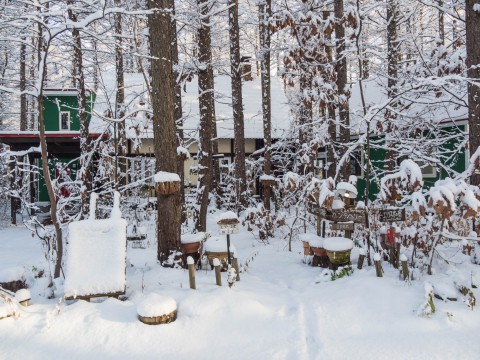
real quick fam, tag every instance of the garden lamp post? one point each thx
(228, 224)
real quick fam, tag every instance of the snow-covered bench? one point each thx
(96, 259)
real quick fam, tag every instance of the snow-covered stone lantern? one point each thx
(228, 224)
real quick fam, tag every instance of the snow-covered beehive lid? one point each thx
(96, 260)
(337, 244)
(312, 239)
(217, 244)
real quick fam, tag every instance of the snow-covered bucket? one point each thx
(191, 242)
(156, 309)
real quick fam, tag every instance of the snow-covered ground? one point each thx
(281, 309)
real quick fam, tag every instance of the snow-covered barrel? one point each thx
(157, 309)
(338, 250)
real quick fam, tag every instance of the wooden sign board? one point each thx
(391, 215)
(353, 215)
(343, 226)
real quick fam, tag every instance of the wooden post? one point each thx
(191, 272)
(405, 273)
(218, 277)
(391, 252)
(397, 255)
(235, 266)
(319, 225)
(378, 264)
(361, 259)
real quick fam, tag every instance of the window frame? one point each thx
(68, 122)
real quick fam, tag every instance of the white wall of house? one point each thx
(141, 165)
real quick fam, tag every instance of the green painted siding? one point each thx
(457, 159)
(53, 105)
(70, 163)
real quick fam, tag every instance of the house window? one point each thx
(142, 168)
(427, 169)
(321, 166)
(356, 163)
(224, 165)
(64, 120)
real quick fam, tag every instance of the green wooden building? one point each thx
(62, 128)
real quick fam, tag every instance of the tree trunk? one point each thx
(178, 110)
(472, 18)
(23, 97)
(85, 145)
(42, 64)
(206, 103)
(163, 104)
(265, 12)
(120, 99)
(441, 23)
(330, 114)
(392, 71)
(341, 68)
(237, 103)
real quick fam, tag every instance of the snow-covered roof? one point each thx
(252, 107)
(138, 125)
(418, 104)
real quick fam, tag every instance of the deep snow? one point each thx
(281, 309)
